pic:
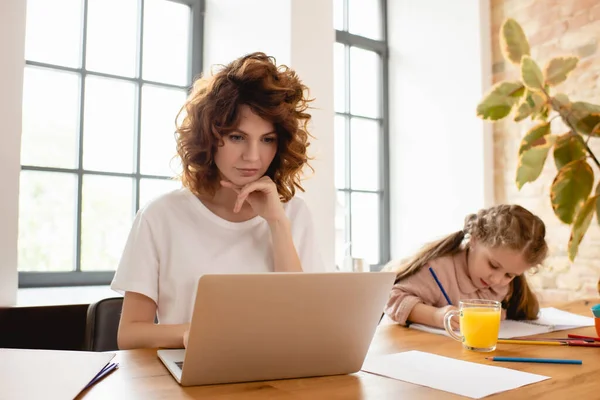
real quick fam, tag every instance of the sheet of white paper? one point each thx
(550, 320)
(561, 320)
(448, 374)
(47, 374)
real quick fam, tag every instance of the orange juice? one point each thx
(479, 326)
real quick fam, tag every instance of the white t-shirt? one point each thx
(175, 239)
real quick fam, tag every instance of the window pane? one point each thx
(159, 109)
(364, 18)
(107, 214)
(340, 152)
(166, 42)
(53, 33)
(338, 15)
(364, 155)
(114, 50)
(152, 188)
(109, 127)
(339, 76)
(50, 118)
(365, 226)
(47, 221)
(365, 83)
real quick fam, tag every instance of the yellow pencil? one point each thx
(540, 342)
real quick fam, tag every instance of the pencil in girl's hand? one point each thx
(440, 285)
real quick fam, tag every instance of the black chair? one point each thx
(102, 324)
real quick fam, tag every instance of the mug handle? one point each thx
(447, 317)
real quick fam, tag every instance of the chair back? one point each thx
(102, 324)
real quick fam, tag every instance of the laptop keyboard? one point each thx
(179, 364)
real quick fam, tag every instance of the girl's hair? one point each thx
(510, 226)
(212, 110)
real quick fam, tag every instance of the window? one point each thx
(361, 131)
(103, 82)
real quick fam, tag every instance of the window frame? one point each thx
(380, 47)
(77, 277)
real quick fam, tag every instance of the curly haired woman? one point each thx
(242, 143)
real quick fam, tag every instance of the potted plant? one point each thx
(572, 194)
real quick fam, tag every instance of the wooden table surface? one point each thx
(141, 374)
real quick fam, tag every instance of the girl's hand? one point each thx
(439, 314)
(262, 196)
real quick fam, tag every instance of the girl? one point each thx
(242, 144)
(484, 260)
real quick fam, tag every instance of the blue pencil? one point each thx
(440, 285)
(536, 360)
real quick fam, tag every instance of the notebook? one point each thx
(550, 320)
(57, 374)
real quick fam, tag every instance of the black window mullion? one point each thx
(79, 211)
(138, 109)
(348, 129)
(196, 51)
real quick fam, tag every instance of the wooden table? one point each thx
(142, 376)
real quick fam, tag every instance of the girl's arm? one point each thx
(432, 316)
(417, 297)
(138, 330)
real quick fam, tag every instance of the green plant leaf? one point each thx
(585, 117)
(500, 99)
(560, 101)
(542, 115)
(533, 137)
(535, 100)
(569, 147)
(581, 224)
(570, 188)
(523, 111)
(531, 161)
(513, 41)
(598, 203)
(558, 68)
(531, 74)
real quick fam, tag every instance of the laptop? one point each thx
(267, 326)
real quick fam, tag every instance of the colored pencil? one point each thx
(440, 285)
(577, 343)
(572, 336)
(536, 360)
(537, 342)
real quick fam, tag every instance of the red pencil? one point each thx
(595, 339)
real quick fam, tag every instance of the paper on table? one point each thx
(47, 374)
(448, 374)
(550, 320)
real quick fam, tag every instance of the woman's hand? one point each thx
(262, 196)
(439, 314)
(186, 336)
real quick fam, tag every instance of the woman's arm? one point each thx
(138, 330)
(285, 255)
(264, 199)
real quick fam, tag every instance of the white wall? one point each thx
(440, 152)
(12, 53)
(298, 33)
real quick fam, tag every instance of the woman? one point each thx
(242, 142)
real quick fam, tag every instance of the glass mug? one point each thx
(479, 324)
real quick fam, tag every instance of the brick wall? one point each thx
(554, 28)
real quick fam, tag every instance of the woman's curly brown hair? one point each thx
(212, 111)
